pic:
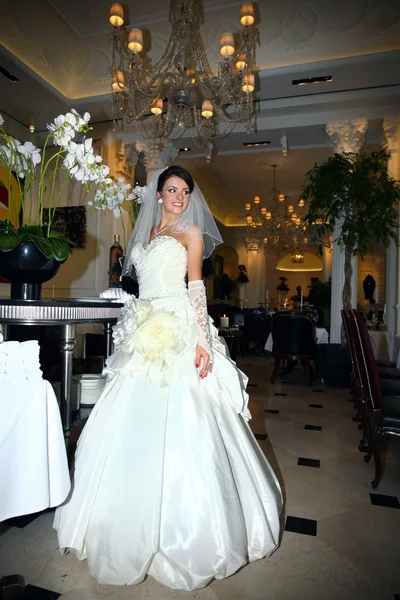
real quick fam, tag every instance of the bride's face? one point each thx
(175, 195)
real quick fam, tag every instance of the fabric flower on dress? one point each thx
(133, 314)
(162, 335)
(157, 335)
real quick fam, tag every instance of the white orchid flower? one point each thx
(104, 171)
(1, 120)
(29, 151)
(140, 193)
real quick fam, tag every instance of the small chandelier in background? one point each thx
(180, 90)
(276, 224)
(297, 256)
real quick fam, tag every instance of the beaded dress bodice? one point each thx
(161, 268)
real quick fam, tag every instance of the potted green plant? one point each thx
(319, 296)
(31, 251)
(356, 192)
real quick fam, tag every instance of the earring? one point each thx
(160, 201)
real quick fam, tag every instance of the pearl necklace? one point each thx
(157, 233)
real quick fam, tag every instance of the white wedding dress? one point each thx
(169, 480)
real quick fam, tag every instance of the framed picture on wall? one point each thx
(71, 221)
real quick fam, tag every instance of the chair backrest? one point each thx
(257, 326)
(365, 361)
(350, 333)
(293, 334)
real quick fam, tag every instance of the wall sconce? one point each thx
(32, 124)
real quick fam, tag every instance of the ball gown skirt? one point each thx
(169, 479)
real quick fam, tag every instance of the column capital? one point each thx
(389, 127)
(156, 156)
(347, 136)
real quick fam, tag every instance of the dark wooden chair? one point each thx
(256, 329)
(382, 413)
(293, 338)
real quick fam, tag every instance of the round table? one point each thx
(233, 337)
(66, 314)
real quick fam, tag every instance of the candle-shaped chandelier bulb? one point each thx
(116, 15)
(135, 40)
(207, 109)
(241, 62)
(248, 83)
(157, 106)
(118, 83)
(226, 45)
(247, 14)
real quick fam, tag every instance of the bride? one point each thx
(169, 480)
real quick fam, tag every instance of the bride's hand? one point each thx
(203, 361)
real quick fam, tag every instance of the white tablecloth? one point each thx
(322, 337)
(33, 463)
(385, 346)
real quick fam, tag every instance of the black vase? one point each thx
(369, 288)
(26, 268)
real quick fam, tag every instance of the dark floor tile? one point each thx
(271, 411)
(23, 520)
(287, 382)
(260, 436)
(299, 525)
(252, 385)
(383, 500)
(280, 394)
(37, 593)
(316, 406)
(317, 390)
(309, 462)
(313, 427)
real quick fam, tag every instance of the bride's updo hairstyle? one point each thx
(175, 171)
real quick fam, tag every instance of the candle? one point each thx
(267, 298)
(224, 321)
(301, 301)
(279, 302)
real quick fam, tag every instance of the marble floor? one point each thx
(341, 539)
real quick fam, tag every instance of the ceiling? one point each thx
(60, 52)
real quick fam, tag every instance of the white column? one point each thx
(326, 263)
(346, 136)
(392, 287)
(156, 156)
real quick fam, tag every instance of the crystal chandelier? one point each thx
(180, 93)
(277, 224)
(283, 228)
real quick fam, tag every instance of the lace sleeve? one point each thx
(197, 295)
